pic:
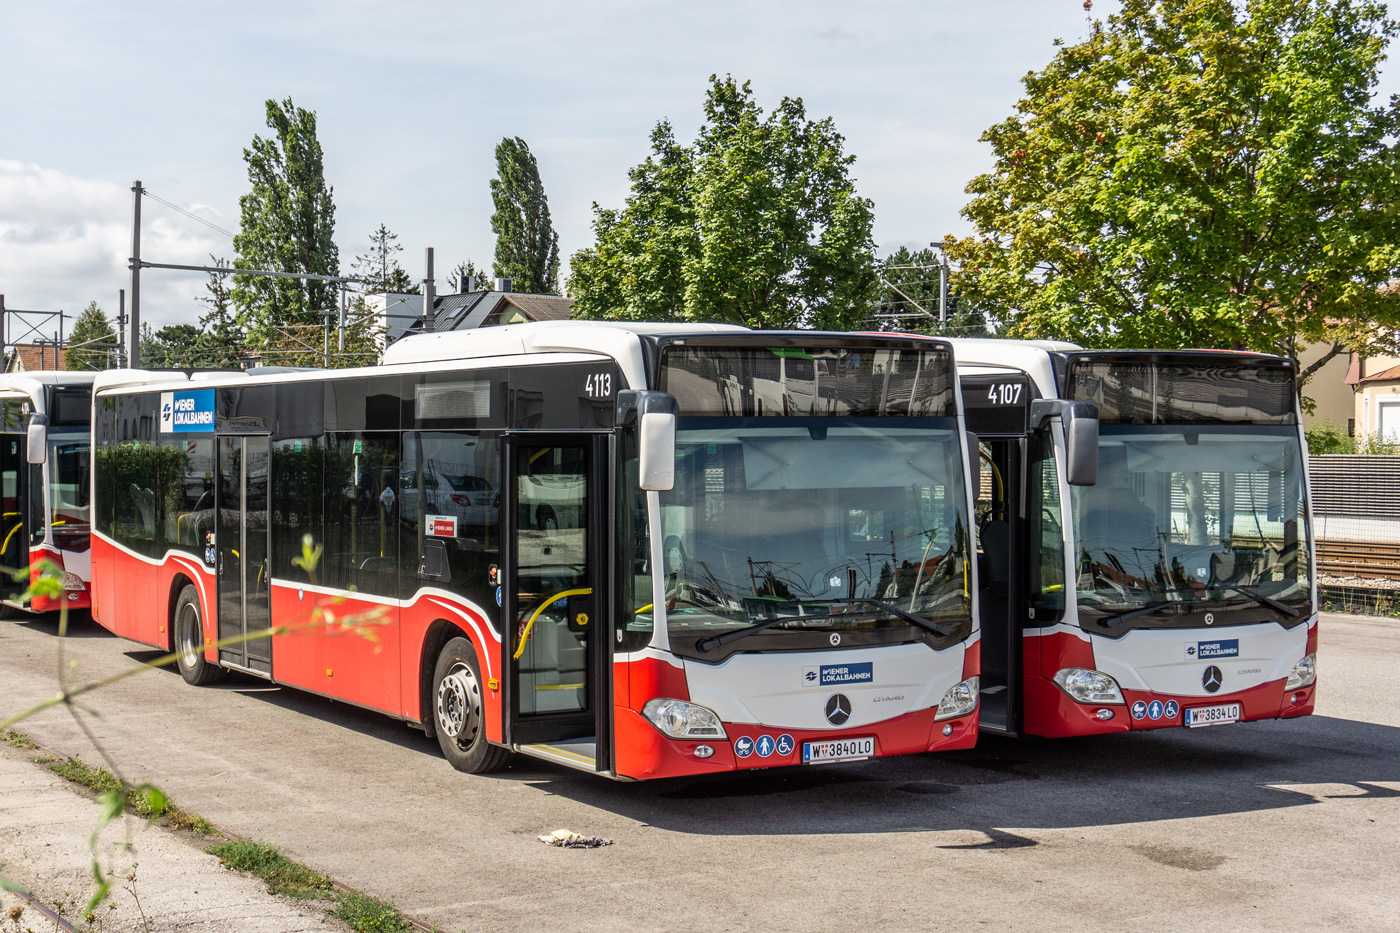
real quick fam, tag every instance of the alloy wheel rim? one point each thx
(459, 705)
(189, 619)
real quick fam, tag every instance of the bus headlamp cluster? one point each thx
(1086, 686)
(960, 699)
(71, 581)
(1304, 673)
(682, 720)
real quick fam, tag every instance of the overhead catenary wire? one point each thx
(192, 216)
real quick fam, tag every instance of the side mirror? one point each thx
(1081, 421)
(655, 414)
(38, 440)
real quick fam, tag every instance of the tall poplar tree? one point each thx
(288, 225)
(527, 248)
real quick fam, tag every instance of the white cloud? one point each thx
(65, 241)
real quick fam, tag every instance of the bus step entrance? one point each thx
(575, 753)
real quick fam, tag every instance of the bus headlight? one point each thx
(1086, 686)
(1304, 673)
(682, 720)
(71, 581)
(960, 700)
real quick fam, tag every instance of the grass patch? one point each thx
(102, 781)
(180, 818)
(367, 914)
(18, 739)
(282, 875)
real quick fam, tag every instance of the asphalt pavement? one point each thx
(1253, 826)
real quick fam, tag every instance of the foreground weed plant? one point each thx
(18, 739)
(367, 914)
(282, 875)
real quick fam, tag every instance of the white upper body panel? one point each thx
(982, 356)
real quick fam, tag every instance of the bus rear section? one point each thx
(1146, 536)
(44, 468)
(580, 542)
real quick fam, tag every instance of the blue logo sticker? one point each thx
(743, 746)
(183, 412)
(1154, 709)
(766, 745)
(498, 596)
(1172, 709)
(1139, 709)
(839, 675)
(785, 744)
(1228, 648)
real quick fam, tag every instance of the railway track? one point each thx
(1359, 559)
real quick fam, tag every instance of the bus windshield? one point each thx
(1191, 518)
(68, 478)
(819, 523)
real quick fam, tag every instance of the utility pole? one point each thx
(133, 342)
(342, 317)
(2, 330)
(942, 287)
(121, 328)
(429, 291)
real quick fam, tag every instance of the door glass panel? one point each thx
(257, 604)
(13, 554)
(228, 535)
(554, 605)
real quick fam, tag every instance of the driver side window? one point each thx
(1044, 521)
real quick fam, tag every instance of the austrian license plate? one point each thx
(838, 750)
(1211, 715)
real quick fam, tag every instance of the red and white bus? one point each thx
(608, 546)
(44, 470)
(1144, 536)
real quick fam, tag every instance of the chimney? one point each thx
(467, 284)
(503, 285)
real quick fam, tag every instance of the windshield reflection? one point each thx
(1184, 515)
(806, 522)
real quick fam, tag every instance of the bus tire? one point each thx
(457, 718)
(189, 641)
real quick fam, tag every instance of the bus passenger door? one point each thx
(556, 646)
(242, 536)
(1001, 597)
(14, 553)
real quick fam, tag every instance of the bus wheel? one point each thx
(189, 642)
(457, 711)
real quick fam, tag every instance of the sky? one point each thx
(412, 97)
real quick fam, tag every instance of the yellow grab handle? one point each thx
(525, 636)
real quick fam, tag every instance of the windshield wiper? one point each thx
(1261, 599)
(715, 641)
(1110, 621)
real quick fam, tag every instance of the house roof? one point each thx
(33, 357)
(538, 307)
(1385, 375)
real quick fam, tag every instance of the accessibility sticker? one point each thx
(1172, 709)
(1139, 709)
(765, 746)
(1154, 710)
(743, 746)
(785, 744)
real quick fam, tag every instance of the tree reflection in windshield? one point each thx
(1190, 514)
(814, 519)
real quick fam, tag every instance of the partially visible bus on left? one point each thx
(45, 431)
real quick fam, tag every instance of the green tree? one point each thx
(288, 224)
(379, 269)
(527, 248)
(222, 341)
(458, 276)
(757, 223)
(92, 343)
(171, 347)
(1197, 173)
(907, 299)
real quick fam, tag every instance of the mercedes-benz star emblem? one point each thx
(838, 709)
(1212, 679)
(835, 638)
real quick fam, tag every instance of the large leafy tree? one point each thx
(757, 223)
(527, 248)
(171, 347)
(1206, 173)
(221, 341)
(92, 343)
(378, 269)
(288, 224)
(908, 296)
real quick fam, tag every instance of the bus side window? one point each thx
(362, 499)
(635, 630)
(1044, 518)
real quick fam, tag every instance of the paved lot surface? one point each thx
(1248, 827)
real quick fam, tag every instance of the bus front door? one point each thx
(557, 654)
(1001, 598)
(14, 475)
(242, 535)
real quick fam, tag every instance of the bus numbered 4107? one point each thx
(44, 474)
(1144, 535)
(643, 551)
